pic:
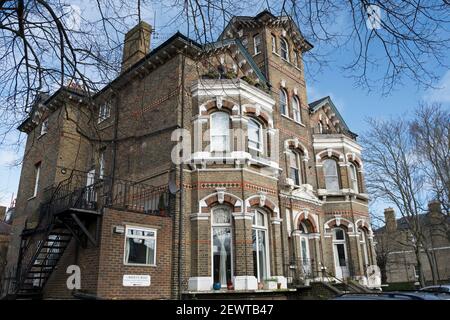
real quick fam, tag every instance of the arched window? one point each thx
(330, 173)
(295, 167)
(222, 246)
(284, 49)
(284, 102)
(296, 110)
(353, 178)
(255, 137)
(220, 133)
(363, 244)
(260, 246)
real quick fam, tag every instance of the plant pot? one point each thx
(260, 285)
(270, 285)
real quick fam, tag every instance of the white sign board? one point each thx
(136, 280)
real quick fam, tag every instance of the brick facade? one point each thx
(182, 85)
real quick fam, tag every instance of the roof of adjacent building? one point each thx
(402, 223)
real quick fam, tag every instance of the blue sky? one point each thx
(354, 103)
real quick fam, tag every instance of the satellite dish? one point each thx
(173, 188)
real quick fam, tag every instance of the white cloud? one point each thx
(442, 92)
(7, 158)
(73, 17)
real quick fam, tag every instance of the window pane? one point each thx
(221, 215)
(222, 255)
(219, 127)
(140, 251)
(339, 234)
(254, 135)
(341, 254)
(283, 102)
(331, 176)
(284, 49)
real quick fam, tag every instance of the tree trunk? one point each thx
(433, 267)
(419, 266)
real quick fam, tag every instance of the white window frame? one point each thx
(260, 137)
(104, 112)
(155, 237)
(44, 127)
(296, 156)
(353, 176)
(213, 133)
(274, 44)
(257, 43)
(296, 110)
(286, 51)
(222, 225)
(325, 176)
(283, 92)
(363, 243)
(264, 229)
(101, 164)
(37, 167)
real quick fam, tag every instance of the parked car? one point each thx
(388, 296)
(442, 291)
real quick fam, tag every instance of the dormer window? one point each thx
(44, 127)
(104, 112)
(284, 49)
(257, 44)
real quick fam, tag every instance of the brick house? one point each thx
(270, 191)
(395, 247)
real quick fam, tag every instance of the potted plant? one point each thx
(271, 284)
(162, 205)
(260, 285)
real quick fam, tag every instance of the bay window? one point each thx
(222, 246)
(330, 172)
(220, 133)
(255, 137)
(260, 246)
(353, 178)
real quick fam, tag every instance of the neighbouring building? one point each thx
(270, 192)
(5, 229)
(395, 246)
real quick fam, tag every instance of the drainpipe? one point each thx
(180, 222)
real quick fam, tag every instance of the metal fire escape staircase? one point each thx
(68, 214)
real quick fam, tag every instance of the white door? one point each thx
(340, 254)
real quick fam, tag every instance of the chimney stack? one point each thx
(391, 221)
(136, 44)
(2, 213)
(434, 207)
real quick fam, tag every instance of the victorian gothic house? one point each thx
(259, 190)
